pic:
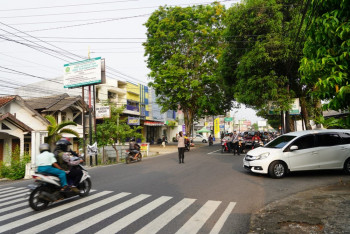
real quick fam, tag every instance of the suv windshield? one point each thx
(280, 142)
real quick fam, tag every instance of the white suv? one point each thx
(300, 151)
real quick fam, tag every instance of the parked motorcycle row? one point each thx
(245, 142)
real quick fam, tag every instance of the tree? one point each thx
(114, 131)
(261, 59)
(183, 48)
(56, 130)
(255, 126)
(326, 61)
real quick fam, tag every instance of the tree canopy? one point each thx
(261, 59)
(326, 61)
(183, 47)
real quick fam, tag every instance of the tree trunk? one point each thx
(287, 122)
(305, 113)
(116, 153)
(188, 115)
(318, 112)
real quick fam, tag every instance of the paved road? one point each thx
(210, 193)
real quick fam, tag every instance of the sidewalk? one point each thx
(320, 210)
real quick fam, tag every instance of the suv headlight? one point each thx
(261, 156)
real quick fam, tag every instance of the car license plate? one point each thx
(246, 163)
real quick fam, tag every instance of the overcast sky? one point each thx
(38, 37)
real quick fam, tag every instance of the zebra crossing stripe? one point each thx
(14, 189)
(25, 203)
(103, 215)
(17, 213)
(165, 218)
(7, 209)
(130, 218)
(220, 223)
(68, 216)
(11, 197)
(3, 189)
(198, 219)
(40, 215)
(10, 202)
(12, 193)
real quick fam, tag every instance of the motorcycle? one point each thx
(211, 141)
(257, 144)
(131, 157)
(224, 146)
(187, 144)
(47, 189)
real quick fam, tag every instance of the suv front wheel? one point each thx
(277, 169)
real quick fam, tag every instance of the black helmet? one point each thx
(44, 147)
(132, 139)
(63, 141)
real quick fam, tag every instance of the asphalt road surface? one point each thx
(210, 193)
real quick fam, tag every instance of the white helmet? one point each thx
(44, 147)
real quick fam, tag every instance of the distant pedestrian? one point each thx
(181, 147)
(163, 141)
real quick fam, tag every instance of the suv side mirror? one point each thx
(294, 147)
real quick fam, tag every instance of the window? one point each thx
(345, 137)
(280, 142)
(328, 139)
(304, 142)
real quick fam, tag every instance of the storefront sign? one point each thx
(144, 148)
(153, 123)
(133, 120)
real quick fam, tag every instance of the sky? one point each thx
(38, 37)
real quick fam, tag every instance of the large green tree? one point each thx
(326, 62)
(183, 47)
(114, 131)
(261, 59)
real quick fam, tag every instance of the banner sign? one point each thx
(92, 149)
(133, 120)
(103, 112)
(87, 72)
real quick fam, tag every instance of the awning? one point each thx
(153, 123)
(204, 129)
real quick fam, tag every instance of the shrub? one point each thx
(16, 170)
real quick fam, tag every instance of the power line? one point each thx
(109, 10)
(85, 4)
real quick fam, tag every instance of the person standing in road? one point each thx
(181, 147)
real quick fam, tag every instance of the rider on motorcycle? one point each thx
(256, 140)
(134, 147)
(47, 163)
(68, 162)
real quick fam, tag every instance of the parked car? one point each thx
(300, 151)
(199, 138)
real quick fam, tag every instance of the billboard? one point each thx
(295, 109)
(86, 72)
